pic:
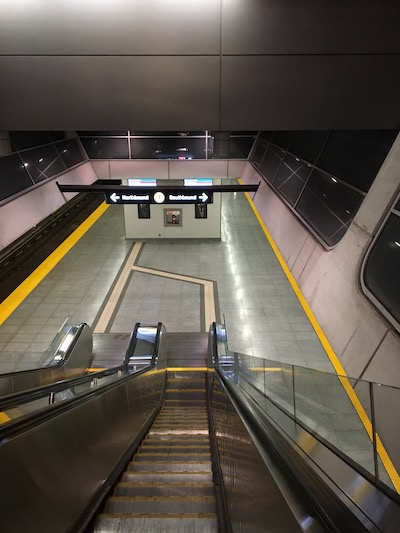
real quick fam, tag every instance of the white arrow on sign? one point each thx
(203, 197)
(114, 197)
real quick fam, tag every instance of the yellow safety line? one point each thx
(387, 462)
(4, 418)
(189, 369)
(10, 304)
(266, 369)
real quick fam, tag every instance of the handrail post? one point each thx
(373, 429)
(294, 393)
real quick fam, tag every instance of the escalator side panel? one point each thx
(254, 500)
(51, 471)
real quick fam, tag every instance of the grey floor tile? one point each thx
(20, 337)
(36, 321)
(16, 347)
(9, 328)
(6, 337)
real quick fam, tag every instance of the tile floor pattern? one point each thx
(155, 299)
(263, 315)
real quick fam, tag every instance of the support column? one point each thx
(70, 134)
(221, 144)
(5, 143)
(385, 186)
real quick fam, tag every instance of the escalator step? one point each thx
(164, 489)
(181, 424)
(167, 524)
(185, 391)
(185, 384)
(171, 456)
(161, 505)
(172, 448)
(157, 427)
(179, 403)
(181, 421)
(183, 417)
(188, 438)
(131, 476)
(176, 440)
(183, 413)
(170, 466)
(179, 432)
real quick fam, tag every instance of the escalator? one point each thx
(67, 373)
(168, 485)
(173, 482)
(68, 356)
(171, 447)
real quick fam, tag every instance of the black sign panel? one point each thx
(179, 196)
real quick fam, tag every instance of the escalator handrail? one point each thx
(13, 400)
(156, 345)
(132, 344)
(44, 414)
(17, 398)
(243, 400)
(42, 392)
(62, 362)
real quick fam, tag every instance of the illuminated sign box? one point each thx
(142, 182)
(198, 182)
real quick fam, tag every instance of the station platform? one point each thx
(111, 283)
(99, 277)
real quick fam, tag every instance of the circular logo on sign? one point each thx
(159, 197)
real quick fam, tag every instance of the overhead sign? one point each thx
(178, 196)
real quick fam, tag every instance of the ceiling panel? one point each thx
(84, 27)
(310, 92)
(310, 26)
(109, 93)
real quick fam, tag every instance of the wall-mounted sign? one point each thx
(200, 211)
(143, 210)
(178, 196)
(173, 217)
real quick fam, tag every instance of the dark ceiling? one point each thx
(215, 65)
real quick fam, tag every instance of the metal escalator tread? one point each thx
(168, 485)
(164, 523)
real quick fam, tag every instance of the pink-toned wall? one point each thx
(169, 169)
(27, 210)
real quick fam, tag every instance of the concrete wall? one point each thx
(26, 211)
(365, 343)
